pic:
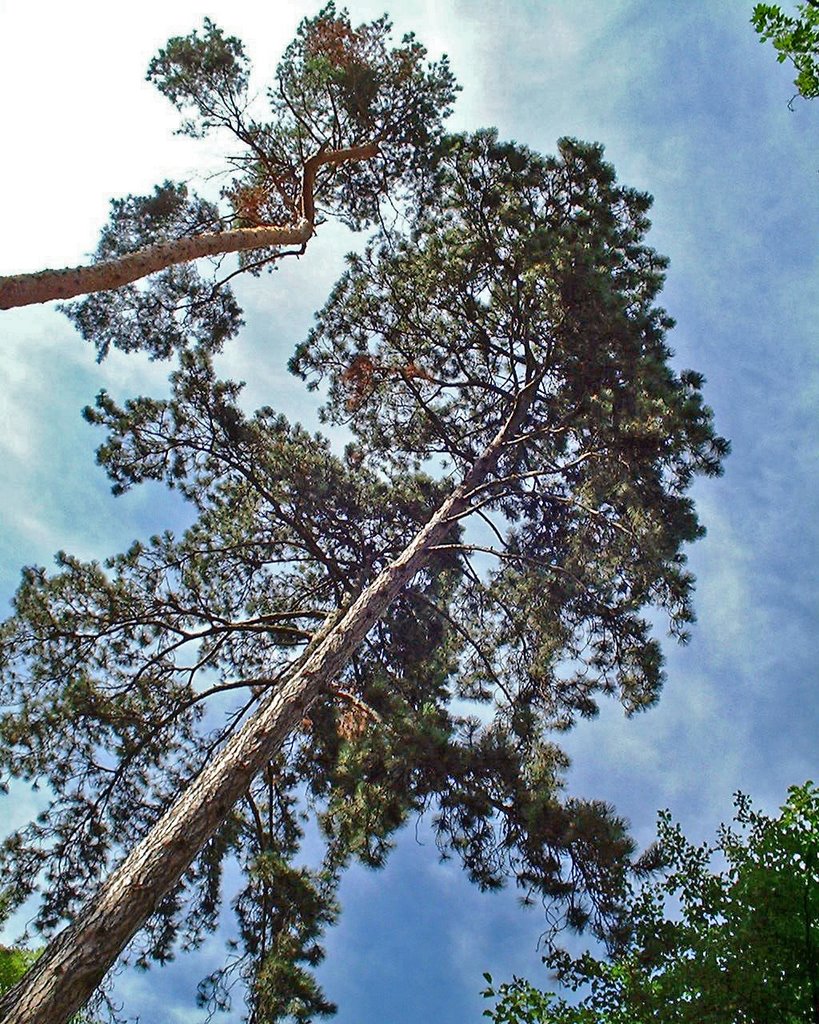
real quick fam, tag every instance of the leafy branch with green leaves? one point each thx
(728, 933)
(795, 39)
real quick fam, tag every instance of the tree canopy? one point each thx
(403, 627)
(727, 933)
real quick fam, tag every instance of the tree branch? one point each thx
(44, 285)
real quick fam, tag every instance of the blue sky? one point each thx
(690, 108)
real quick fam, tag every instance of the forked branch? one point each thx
(44, 285)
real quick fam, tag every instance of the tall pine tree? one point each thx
(403, 627)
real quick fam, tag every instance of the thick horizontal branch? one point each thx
(45, 285)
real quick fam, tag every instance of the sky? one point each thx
(690, 108)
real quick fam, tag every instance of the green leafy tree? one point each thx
(728, 945)
(795, 39)
(345, 635)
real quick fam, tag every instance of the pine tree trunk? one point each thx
(65, 977)
(28, 289)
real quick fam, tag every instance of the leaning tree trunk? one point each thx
(44, 285)
(63, 979)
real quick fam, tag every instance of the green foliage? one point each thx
(707, 946)
(207, 74)
(178, 308)
(14, 962)
(795, 39)
(519, 1002)
(337, 87)
(513, 278)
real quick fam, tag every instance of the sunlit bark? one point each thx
(45, 285)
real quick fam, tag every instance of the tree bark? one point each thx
(64, 978)
(44, 285)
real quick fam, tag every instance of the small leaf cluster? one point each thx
(519, 1002)
(795, 39)
(207, 74)
(14, 962)
(174, 308)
